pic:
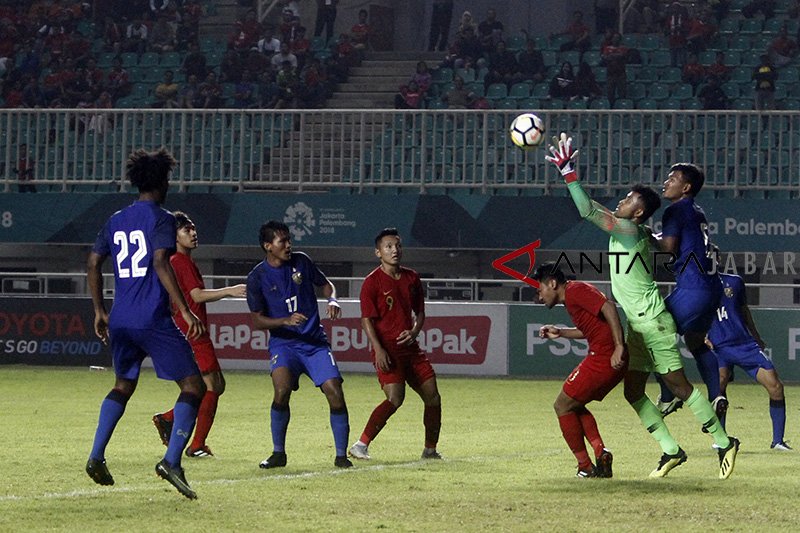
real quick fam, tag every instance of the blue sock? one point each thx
(111, 410)
(708, 366)
(340, 424)
(777, 412)
(665, 395)
(279, 421)
(185, 412)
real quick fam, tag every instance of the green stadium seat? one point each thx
(170, 60)
(788, 74)
(670, 75)
(741, 74)
(658, 91)
(729, 25)
(651, 41)
(646, 103)
(442, 74)
(636, 91)
(515, 43)
(751, 26)
(466, 74)
(149, 59)
(740, 42)
(578, 103)
(623, 103)
(129, 59)
(682, 91)
(659, 58)
(520, 91)
(592, 58)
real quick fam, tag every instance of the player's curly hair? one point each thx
(650, 199)
(148, 171)
(547, 271)
(693, 175)
(384, 232)
(269, 230)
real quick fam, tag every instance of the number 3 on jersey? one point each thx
(137, 239)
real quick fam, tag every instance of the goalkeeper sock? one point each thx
(654, 423)
(704, 413)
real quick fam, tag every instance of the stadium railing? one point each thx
(68, 285)
(395, 151)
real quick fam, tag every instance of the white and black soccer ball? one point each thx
(527, 131)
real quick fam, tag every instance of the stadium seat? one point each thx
(659, 58)
(651, 41)
(739, 42)
(729, 25)
(149, 59)
(623, 103)
(751, 26)
(515, 43)
(442, 74)
(636, 91)
(520, 91)
(682, 91)
(466, 74)
(658, 91)
(497, 91)
(170, 60)
(592, 58)
(129, 59)
(670, 75)
(646, 103)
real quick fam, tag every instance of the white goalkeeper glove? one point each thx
(564, 157)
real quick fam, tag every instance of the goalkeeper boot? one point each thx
(98, 471)
(277, 459)
(176, 477)
(668, 462)
(727, 458)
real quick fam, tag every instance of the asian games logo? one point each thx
(300, 219)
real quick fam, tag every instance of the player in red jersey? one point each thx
(597, 321)
(196, 294)
(392, 315)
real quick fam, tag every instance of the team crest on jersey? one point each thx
(729, 292)
(297, 277)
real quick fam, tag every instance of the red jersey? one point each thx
(189, 278)
(583, 302)
(390, 303)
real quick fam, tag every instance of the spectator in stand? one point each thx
(244, 93)
(283, 55)
(359, 33)
(254, 61)
(693, 73)
(490, 31)
(345, 53)
(194, 64)
(441, 17)
(119, 82)
(719, 9)
(101, 122)
(718, 68)
(422, 77)
(677, 24)
(268, 91)
(77, 85)
(13, 97)
(269, 45)
(28, 61)
(136, 37)
(290, 5)
(96, 76)
(459, 97)
(158, 7)
(300, 47)
(166, 92)
(312, 91)
(794, 10)
(503, 67)
(466, 50)
(605, 15)
(701, 31)
(32, 94)
(409, 97)
(467, 22)
(189, 93)
(77, 48)
(211, 92)
(162, 38)
(288, 83)
(289, 25)
(712, 96)
(326, 18)
(531, 63)
(766, 7)
(615, 58)
(230, 68)
(586, 85)
(245, 32)
(112, 36)
(579, 34)
(765, 76)
(24, 170)
(783, 49)
(563, 83)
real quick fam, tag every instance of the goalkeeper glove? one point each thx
(564, 157)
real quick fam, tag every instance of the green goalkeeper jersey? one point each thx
(632, 282)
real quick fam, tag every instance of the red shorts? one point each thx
(413, 368)
(206, 357)
(593, 379)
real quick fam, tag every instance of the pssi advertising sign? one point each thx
(458, 339)
(50, 331)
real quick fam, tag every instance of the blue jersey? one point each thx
(729, 327)
(685, 221)
(279, 292)
(131, 236)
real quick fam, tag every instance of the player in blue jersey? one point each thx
(281, 297)
(141, 238)
(697, 292)
(734, 338)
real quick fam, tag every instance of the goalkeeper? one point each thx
(651, 336)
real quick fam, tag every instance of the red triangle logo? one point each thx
(530, 249)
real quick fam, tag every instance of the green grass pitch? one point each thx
(506, 466)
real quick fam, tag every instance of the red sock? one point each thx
(432, 419)
(169, 416)
(377, 420)
(589, 425)
(205, 418)
(573, 434)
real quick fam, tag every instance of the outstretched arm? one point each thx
(626, 231)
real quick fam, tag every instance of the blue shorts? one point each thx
(748, 357)
(317, 362)
(170, 351)
(693, 309)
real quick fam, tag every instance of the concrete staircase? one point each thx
(373, 84)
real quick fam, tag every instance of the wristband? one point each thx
(334, 302)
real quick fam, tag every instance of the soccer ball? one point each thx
(527, 131)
